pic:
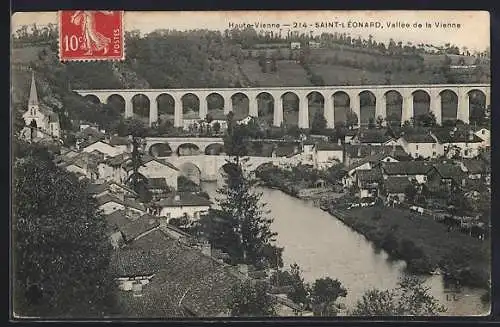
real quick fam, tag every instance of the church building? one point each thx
(41, 122)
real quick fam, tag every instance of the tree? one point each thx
(209, 119)
(299, 290)
(351, 119)
(137, 181)
(380, 121)
(410, 192)
(251, 300)
(319, 123)
(216, 127)
(61, 250)
(324, 294)
(411, 297)
(131, 126)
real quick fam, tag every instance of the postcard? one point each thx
(250, 164)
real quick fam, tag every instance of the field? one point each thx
(288, 73)
(467, 258)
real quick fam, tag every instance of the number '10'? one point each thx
(72, 42)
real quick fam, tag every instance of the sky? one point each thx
(473, 33)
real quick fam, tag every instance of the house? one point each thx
(327, 153)
(421, 144)
(113, 168)
(458, 142)
(101, 146)
(294, 45)
(415, 170)
(314, 45)
(368, 182)
(395, 188)
(245, 120)
(158, 186)
(89, 132)
(109, 203)
(349, 135)
(156, 168)
(475, 168)
(83, 163)
(41, 122)
(111, 187)
(123, 144)
(355, 152)
(484, 134)
(445, 177)
(368, 162)
(372, 137)
(184, 204)
(159, 277)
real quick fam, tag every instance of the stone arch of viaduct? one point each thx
(433, 91)
(175, 142)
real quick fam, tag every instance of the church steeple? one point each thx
(33, 100)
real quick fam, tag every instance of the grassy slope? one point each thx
(432, 237)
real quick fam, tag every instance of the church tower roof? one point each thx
(33, 100)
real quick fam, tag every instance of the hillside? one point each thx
(170, 59)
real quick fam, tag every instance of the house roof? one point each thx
(139, 226)
(117, 219)
(447, 135)
(81, 159)
(184, 277)
(93, 132)
(373, 136)
(285, 149)
(475, 166)
(364, 150)
(186, 199)
(423, 137)
(369, 175)
(396, 184)
(117, 160)
(147, 159)
(97, 188)
(118, 140)
(325, 146)
(406, 168)
(126, 202)
(448, 170)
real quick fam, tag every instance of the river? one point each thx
(323, 246)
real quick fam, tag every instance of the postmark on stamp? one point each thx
(91, 35)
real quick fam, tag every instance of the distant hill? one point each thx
(208, 59)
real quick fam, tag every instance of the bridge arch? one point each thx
(188, 149)
(140, 105)
(477, 105)
(316, 109)
(393, 107)
(341, 107)
(291, 105)
(166, 106)
(215, 104)
(92, 98)
(240, 105)
(116, 101)
(421, 102)
(191, 172)
(265, 106)
(449, 105)
(214, 149)
(367, 103)
(190, 106)
(160, 150)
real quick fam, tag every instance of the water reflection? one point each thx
(323, 246)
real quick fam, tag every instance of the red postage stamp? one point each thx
(91, 35)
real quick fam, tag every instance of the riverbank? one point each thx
(424, 244)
